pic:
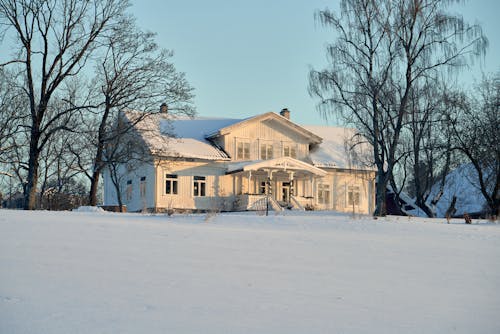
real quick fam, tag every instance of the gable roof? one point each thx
(312, 137)
(170, 136)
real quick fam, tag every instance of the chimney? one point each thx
(164, 108)
(285, 113)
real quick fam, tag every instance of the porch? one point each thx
(283, 183)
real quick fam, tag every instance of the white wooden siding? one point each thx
(136, 201)
(215, 184)
(265, 132)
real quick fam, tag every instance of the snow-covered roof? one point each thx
(312, 137)
(463, 183)
(176, 137)
(171, 136)
(340, 148)
(198, 128)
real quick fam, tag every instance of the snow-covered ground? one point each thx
(97, 272)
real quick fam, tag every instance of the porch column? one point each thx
(313, 189)
(310, 186)
(334, 191)
(249, 182)
(292, 184)
(270, 185)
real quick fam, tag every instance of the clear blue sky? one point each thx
(250, 57)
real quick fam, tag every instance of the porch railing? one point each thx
(296, 204)
(254, 202)
(274, 204)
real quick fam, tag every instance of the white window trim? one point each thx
(267, 144)
(291, 146)
(199, 182)
(355, 189)
(169, 177)
(242, 141)
(324, 187)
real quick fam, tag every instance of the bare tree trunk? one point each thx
(420, 201)
(115, 179)
(33, 166)
(94, 183)
(94, 180)
(98, 159)
(381, 193)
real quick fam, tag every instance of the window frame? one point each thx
(324, 189)
(172, 184)
(199, 186)
(262, 187)
(243, 152)
(353, 196)
(128, 191)
(142, 186)
(267, 149)
(292, 150)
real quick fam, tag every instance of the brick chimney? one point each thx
(164, 108)
(285, 113)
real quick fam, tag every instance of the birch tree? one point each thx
(383, 48)
(477, 136)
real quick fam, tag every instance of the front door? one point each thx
(285, 192)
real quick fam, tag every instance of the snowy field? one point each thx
(94, 272)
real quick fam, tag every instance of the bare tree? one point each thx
(428, 133)
(476, 134)
(383, 48)
(12, 105)
(132, 73)
(124, 153)
(52, 41)
(58, 168)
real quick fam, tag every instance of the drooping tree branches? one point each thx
(382, 50)
(476, 135)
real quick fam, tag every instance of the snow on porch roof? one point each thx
(284, 163)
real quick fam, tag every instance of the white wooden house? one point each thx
(242, 164)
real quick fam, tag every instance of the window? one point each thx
(262, 188)
(266, 151)
(199, 186)
(243, 151)
(323, 193)
(143, 186)
(289, 151)
(353, 196)
(129, 190)
(171, 184)
(265, 187)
